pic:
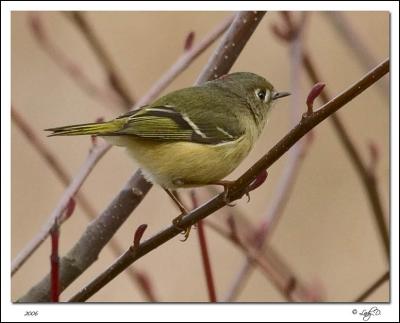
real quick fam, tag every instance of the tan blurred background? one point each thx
(327, 233)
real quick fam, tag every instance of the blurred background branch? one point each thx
(113, 75)
(354, 40)
(72, 68)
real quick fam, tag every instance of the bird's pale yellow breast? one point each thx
(185, 164)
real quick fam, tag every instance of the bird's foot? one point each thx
(227, 185)
(185, 231)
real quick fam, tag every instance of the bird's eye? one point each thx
(261, 94)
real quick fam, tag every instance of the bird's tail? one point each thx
(97, 128)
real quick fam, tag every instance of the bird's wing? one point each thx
(196, 114)
(167, 123)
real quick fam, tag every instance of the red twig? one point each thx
(232, 228)
(146, 285)
(68, 210)
(314, 93)
(54, 261)
(204, 254)
(374, 157)
(138, 235)
(54, 258)
(189, 41)
(261, 178)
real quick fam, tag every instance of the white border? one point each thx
(201, 5)
(190, 312)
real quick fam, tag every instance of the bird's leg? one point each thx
(178, 219)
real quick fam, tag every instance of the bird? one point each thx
(193, 136)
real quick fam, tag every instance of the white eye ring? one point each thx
(263, 95)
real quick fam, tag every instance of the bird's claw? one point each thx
(247, 193)
(185, 231)
(226, 193)
(226, 186)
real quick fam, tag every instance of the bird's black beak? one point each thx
(278, 95)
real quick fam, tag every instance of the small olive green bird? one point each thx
(194, 136)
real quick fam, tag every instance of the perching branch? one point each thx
(238, 189)
(124, 203)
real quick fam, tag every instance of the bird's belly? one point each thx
(186, 164)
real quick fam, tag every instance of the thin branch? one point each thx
(114, 78)
(54, 257)
(354, 40)
(94, 156)
(54, 261)
(368, 179)
(205, 255)
(239, 281)
(231, 45)
(188, 56)
(373, 288)
(146, 286)
(106, 96)
(30, 134)
(238, 189)
(124, 203)
(50, 159)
